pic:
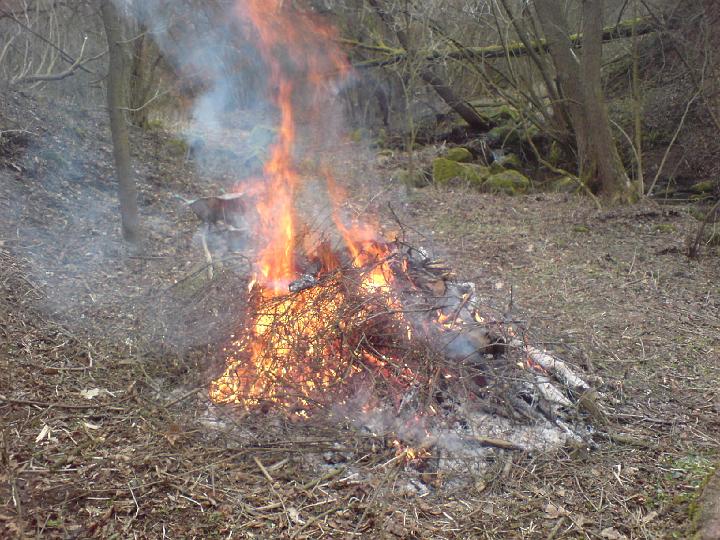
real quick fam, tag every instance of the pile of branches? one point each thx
(424, 346)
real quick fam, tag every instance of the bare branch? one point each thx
(672, 141)
(65, 56)
(63, 74)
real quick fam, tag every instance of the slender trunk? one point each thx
(602, 162)
(580, 86)
(637, 107)
(116, 101)
(567, 69)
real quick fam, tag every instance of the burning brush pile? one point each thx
(368, 329)
(381, 334)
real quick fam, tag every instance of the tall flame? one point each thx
(286, 344)
(300, 54)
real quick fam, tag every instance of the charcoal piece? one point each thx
(305, 281)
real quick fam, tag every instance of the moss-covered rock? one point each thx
(415, 178)
(503, 113)
(703, 187)
(496, 168)
(497, 114)
(509, 182)
(512, 134)
(459, 154)
(477, 174)
(444, 170)
(503, 134)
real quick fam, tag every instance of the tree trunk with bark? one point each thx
(579, 84)
(116, 102)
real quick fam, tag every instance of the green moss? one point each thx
(459, 154)
(496, 114)
(583, 229)
(504, 112)
(358, 135)
(154, 125)
(564, 184)
(477, 174)
(705, 186)
(415, 178)
(509, 182)
(665, 228)
(555, 154)
(445, 170)
(503, 134)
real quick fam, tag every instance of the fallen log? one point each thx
(622, 30)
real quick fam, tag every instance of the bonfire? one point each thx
(349, 321)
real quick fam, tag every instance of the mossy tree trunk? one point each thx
(580, 87)
(116, 102)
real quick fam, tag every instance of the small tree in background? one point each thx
(117, 105)
(579, 81)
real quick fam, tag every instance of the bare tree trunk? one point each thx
(116, 100)
(603, 160)
(580, 86)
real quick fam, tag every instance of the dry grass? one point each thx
(108, 432)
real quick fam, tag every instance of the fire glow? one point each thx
(293, 350)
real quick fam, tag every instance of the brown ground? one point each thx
(105, 354)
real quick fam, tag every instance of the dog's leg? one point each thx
(206, 250)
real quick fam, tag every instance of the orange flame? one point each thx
(298, 50)
(280, 346)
